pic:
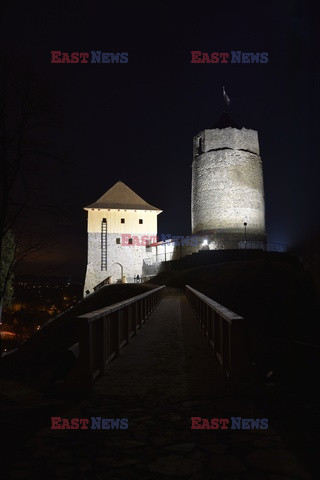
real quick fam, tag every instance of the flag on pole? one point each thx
(226, 98)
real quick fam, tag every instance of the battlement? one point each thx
(219, 139)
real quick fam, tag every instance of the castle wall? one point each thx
(227, 187)
(227, 190)
(244, 139)
(131, 217)
(129, 256)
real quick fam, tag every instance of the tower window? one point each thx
(118, 241)
(140, 220)
(122, 220)
(130, 241)
(104, 244)
(200, 150)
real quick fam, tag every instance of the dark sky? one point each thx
(136, 121)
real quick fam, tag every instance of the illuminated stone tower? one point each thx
(120, 211)
(227, 186)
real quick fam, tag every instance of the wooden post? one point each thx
(214, 331)
(139, 313)
(127, 323)
(85, 349)
(238, 355)
(117, 333)
(134, 317)
(100, 343)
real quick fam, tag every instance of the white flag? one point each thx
(226, 98)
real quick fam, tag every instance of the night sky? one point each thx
(135, 121)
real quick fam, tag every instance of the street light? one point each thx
(245, 235)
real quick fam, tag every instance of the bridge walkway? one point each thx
(166, 375)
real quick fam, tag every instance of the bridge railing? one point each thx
(102, 334)
(225, 331)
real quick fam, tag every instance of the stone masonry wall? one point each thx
(244, 139)
(227, 186)
(130, 257)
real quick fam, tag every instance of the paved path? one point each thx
(165, 376)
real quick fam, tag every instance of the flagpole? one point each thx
(226, 97)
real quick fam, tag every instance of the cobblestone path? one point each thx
(165, 376)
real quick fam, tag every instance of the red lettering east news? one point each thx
(55, 56)
(55, 423)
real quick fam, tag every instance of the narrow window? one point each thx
(200, 146)
(122, 220)
(140, 220)
(104, 244)
(118, 241)
(130, 241)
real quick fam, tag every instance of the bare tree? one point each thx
(29, 148)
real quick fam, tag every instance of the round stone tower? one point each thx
(227, 205)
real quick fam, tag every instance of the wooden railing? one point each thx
(103, 333)
(225, 331)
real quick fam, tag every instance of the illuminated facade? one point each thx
(227, 186)
(227, 210)
(120, 211)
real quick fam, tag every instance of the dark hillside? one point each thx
(36, 359)
(278, 299)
